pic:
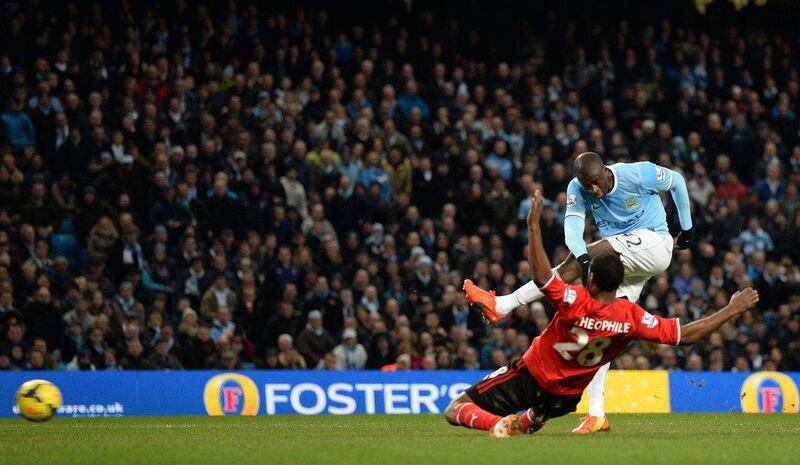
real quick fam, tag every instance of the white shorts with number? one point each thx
(644, 254)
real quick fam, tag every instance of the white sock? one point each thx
(596, 394)
(526, 294)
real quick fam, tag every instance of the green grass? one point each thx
(423, 439)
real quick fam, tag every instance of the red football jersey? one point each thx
(585, 334)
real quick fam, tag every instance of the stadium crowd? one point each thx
(186, 187)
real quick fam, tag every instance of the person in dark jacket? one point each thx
(162, 359)
(134, 358)
(89, 212)
(381, 351)
(42, 319)
(222, 210)
(284, 322)
(314, 341)
(174, 215)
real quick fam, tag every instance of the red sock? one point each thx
(470, 415)
(525, 420)
(528, 424)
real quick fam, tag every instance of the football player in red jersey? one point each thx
(590, 328)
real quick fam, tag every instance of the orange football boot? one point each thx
(590, 424)
(484, 300)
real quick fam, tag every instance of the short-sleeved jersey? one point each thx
(632, 203)
(586, 334)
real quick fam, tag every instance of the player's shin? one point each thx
(596, 392)
(525, 295)
(469, 415)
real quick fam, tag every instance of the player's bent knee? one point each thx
(450, 410)
(600, 247)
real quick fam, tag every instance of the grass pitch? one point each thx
(421, 439)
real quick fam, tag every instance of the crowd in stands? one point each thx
(186, 186)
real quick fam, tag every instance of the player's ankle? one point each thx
(505, 304)
(525, 420)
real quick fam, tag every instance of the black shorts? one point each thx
(512, 388)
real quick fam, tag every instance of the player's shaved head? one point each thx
(588, 165)
(592, 174)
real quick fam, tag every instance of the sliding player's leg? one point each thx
(546, 406)
(492, 403)
(462, 411)
(496, 308)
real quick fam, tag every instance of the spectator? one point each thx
(754, 239)
(412, 99)
(288, 357)
(314, 341)
(18, 126)
(732, 189)
(43, 320)
(771, 187)
(218, 295)
(134, 358)
(192, 353)
(350, 355)
(127, 306)
(162, 359)
(700, 187)
(222, 327)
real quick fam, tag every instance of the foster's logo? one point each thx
(231, 394)
(769, 392)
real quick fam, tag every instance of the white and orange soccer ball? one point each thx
(38, 400)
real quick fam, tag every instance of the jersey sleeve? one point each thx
(654, 328)
(567, 300)
(654, 178)
(575, 204)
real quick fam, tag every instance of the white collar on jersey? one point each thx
(616, 181)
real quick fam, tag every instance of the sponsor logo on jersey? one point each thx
(231, 394)
(769, 392)
(572, 200)
(631, 203)
(649, 320)
(661, 175)
(570, 295)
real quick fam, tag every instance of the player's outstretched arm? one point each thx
(537, 257)
(739, 303)
(680, 195)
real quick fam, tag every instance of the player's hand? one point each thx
(584, 261)
(743, 299)
(685, 239)
(537, 201)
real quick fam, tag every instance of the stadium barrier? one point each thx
(130, 393)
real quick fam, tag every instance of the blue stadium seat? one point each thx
(67, 226)
(67, 246)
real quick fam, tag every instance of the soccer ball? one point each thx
(38, 400)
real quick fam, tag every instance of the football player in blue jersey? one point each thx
(625, 204)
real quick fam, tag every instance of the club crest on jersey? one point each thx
(661, 175)
(570, 295)
(571, 200)
(649, 320)
(631, 203)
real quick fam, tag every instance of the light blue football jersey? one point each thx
(632, 203)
